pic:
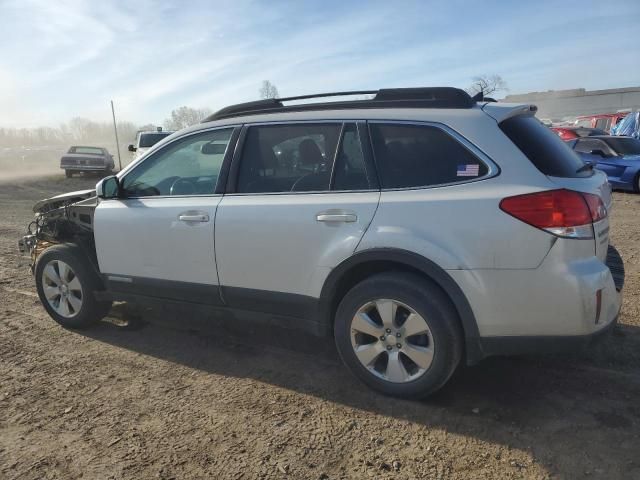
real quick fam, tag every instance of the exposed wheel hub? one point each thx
(392, 340)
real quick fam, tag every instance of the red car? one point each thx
(570, 133)
(603, 121)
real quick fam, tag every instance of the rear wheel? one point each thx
(399, 334)
(65, 284)
(68, 173)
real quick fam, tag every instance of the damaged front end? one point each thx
(64, 218)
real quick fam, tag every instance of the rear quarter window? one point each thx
(543, 147)
(413, 156)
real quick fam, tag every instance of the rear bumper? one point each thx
(84, 168)
(536, 345)
(552, 308)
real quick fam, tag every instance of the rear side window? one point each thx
(543, 147)
(288, 158)
(411, 156)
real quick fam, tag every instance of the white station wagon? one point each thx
(422, 228)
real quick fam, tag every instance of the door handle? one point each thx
(193, 217)
(336, 217)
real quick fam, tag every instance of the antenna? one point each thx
(115, 129)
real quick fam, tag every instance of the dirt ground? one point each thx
(169, 401)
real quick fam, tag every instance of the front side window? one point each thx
(410, 156)
(189, 166)
(288, 158)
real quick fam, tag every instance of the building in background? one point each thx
(558, 105)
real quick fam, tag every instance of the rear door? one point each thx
(301, 196)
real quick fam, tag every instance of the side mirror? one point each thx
(108, 187)
(131, 148)
(599, 153)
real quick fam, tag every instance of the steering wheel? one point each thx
(182, 186)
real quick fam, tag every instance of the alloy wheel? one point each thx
(62, 288)
(392, 340)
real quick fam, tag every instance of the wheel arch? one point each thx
(377, 260)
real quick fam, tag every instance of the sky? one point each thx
(66, 58)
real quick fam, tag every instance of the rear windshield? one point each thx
(86, 150)
(543, 147)
(624, 145)
(150, 139)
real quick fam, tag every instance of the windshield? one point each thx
(86, 150)
(624, 146)
(149, 139)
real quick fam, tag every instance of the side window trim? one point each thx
(223, 168)
(493, 169)
(367, 151)
(335, 155)
(363, 134)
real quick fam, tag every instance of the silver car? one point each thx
(421, 228)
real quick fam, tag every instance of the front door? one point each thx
(301, 203)
(158, 238)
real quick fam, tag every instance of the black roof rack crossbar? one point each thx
(429, 97)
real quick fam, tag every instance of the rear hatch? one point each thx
(562, 166)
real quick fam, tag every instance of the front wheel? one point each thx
(65, 284)
(399, 334)
(68, 173)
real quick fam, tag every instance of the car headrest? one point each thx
(310, 153)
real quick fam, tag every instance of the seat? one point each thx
(310, 157)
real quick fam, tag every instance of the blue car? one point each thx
(618, 157)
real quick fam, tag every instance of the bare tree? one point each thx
(268, 90)
(487, 84)
(184, 117)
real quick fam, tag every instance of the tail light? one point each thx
(564, 213)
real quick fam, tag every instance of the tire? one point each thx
(437, 349)
(68, 297)
(68, 173)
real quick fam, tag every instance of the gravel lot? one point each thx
(169, 401)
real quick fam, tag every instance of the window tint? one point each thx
(603, 123)
(419, 156)
(543, 148)
(186, 167)
(288, 158)
(349, 172)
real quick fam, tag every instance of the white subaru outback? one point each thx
(421, 228)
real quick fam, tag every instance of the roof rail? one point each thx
(428, 97)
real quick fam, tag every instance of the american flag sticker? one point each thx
(470, 170)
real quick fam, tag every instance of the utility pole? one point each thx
(115, 129)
